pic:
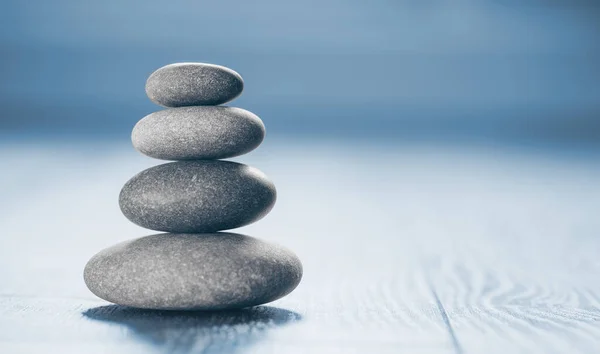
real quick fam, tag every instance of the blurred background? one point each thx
(494, 70)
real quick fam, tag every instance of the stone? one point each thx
(193, 84)
(197, 196)
(199, 132)
(193, 272)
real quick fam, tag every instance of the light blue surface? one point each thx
(406, 249)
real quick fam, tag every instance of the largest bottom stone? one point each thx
(193, 272)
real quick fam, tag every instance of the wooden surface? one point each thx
(406, 249)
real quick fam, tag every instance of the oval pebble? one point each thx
(200, 132)
(197, 196)
(193, 272)
(193, 84)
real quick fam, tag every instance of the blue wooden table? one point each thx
(406, 249)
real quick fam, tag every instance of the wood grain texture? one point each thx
(522, 277)
(406, 249)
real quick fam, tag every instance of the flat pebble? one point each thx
(199, 132)
(193, 84)
(197, 196)
(193, 272)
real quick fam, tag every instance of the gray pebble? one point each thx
(197, 196)
(193, 272)
(200, 132)
(193, 84)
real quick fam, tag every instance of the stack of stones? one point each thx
(192, 266)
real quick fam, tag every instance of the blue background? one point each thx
(513, 71)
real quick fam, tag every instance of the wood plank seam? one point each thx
(454, 339)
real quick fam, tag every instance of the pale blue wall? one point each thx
(336, 67)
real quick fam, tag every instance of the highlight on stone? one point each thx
(195, 267)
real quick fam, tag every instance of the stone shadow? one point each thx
(194, 331)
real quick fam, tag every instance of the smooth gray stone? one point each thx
(193, 272)
(197, 196)
(199, 132)
(193, 84)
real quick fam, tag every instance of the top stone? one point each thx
(193, 84)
